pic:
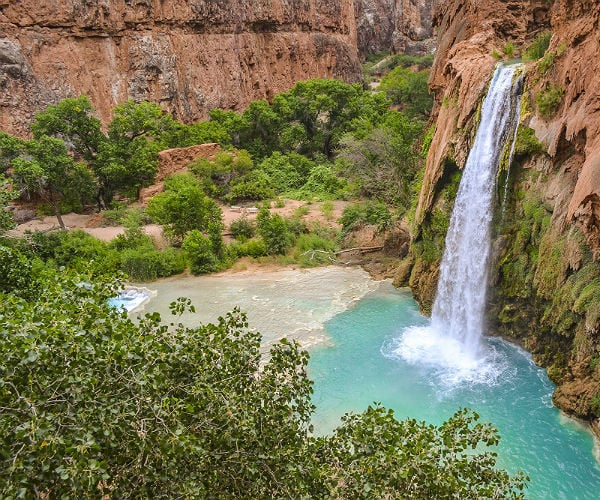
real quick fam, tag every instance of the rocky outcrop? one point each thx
(176, 161)
(189, 56)
(546, 278)
(403, 26)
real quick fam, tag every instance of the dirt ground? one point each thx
(94, 225)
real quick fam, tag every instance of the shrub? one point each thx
(199, 252)
(538, 47)
(527, 143)
(547, 62)
(242, 229)
(147, 264)
(509, 49)
(274, 231)
(374, 213)
(549, 100)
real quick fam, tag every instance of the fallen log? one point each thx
(362, 250)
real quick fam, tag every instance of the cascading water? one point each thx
(452, 341)
(458, 309)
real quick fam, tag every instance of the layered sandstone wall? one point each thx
(546, 274)
(402, 26)
(189, 56)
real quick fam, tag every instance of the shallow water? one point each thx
(286, 303)
(368, 343)
(376, 354)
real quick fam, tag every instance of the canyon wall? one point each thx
(189, 56)
(546, 269)
(402, 26)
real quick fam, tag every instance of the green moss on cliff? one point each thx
(548, 289)
(428, 247)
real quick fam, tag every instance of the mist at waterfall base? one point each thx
(427, 370)
(374, 359)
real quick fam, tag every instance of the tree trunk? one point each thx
(56, 208)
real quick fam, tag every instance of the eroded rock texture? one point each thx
(403, 26)
(547, 251)
(189, 56)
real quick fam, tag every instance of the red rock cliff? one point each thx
(547, 269)
(190, 56)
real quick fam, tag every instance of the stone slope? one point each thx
(189, 56)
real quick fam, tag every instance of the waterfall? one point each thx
(458, 310)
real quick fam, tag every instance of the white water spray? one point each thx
(452, 342)
(459, 307)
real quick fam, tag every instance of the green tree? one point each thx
(49, 171)
(410, 90)
(182, 210)
(10, 148)
(200, 253)
(73, 121)
(274, 231)
(6, 195)
(384, 162)
(319, 112)
(94, 403)
(128, 160)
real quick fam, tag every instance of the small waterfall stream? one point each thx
(458, 310)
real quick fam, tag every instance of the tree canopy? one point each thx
(94, 403)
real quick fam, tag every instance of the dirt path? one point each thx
(93, 224)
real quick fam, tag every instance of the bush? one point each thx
(242, 229)
(274, 232)
(549, 100)
(251, 248)
(199, 252)
(527, 143)
(147, 264)
(373, 213)
(509, 49)
(538, 47)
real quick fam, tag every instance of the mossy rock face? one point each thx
(423, 283)
(547, 295)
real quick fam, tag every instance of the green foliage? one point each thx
(527, 143)
(50, 172)
(242, 228)
(251, 248)
(199, 133)
(127, 161)
(200, 253)
(546, 62)
(183, 209)
(595, 405)
(509, 50)
(323, 184)
(146, 263)
(254, 186)
(10, 148)
(496, 54)
(6, 195)
(274, 231)
(538, 47)
(327, 209)
(314, 250)
(370, 212)
(218, 175)
(15, 271)
(287, 171)
(73, 121)
(317, 113)
(549, 100)
(384, 162)
(414, 459)
(410, 90)
(198, 412)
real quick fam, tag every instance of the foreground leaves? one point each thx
(93, 403)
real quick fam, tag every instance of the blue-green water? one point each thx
(363, 366)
